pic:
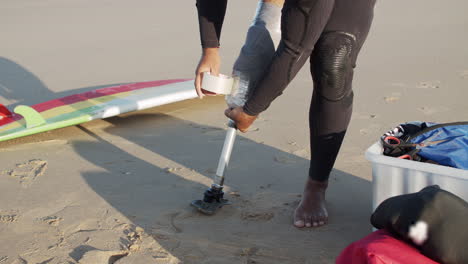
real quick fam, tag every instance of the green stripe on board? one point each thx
(86, 112)
(62, 119)
(26, 132)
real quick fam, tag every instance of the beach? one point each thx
(118, 190)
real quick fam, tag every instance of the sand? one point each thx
(118, 190)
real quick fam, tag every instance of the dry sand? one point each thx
(118, 190)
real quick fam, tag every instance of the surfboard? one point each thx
(96, 104)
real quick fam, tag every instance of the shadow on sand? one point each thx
(263, 182)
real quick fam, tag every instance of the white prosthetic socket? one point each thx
(260, 45)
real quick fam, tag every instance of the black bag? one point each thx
(443, 215)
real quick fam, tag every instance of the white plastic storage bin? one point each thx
(392, 176)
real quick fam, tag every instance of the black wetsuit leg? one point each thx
(332, 65)
(330, 33)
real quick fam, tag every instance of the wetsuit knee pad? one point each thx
(332, 65)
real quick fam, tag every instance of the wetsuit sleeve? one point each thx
(210, 18)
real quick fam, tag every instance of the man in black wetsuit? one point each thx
(330, 33)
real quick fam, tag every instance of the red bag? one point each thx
(380, 247)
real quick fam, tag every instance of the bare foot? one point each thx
(311, 212)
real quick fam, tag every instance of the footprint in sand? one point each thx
(169, 222)
(8, 217)
(257, 216)
(51, 220)
(27, 172)
(429, 85)
(173, 216)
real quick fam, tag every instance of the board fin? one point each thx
(31, 116)
(4, 112)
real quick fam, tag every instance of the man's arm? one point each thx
(210, 17)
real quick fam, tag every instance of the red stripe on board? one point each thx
(8, 120)
(99, 93)
(6, 116)
(4, 112)
(71, 99)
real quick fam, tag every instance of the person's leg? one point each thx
(332, 63)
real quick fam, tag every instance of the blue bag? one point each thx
(445, 144)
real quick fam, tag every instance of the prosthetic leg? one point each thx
(213, 198)
(260, 45)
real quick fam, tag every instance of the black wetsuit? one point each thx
(328, 32)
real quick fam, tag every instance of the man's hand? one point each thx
(209, 62)
(243, 120)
